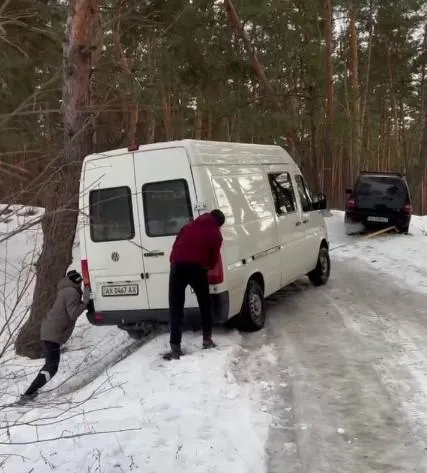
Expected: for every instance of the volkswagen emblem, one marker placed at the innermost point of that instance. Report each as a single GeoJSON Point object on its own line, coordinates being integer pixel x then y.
{"type": "Point", "coordinates": [115, 256]}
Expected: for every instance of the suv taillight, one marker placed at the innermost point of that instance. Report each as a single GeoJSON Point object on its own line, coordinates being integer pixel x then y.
{"type": "Point", "coordinates": [216, 275]}
{"type": "Point", "coordinates": [407, 209]}
{"type": "Point", "coordinates": [351, 203]}
{"type": "Point", "coordinates": [85, 273]}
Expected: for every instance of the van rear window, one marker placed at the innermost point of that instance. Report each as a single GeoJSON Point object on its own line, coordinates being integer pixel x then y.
{"type": "Point", "coordinates": [167, 207]}
{"type": "Point", "coordinates": [111, 216]}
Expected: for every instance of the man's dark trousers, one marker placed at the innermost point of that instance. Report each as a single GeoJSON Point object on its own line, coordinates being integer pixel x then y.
{"type": "Point", "coordinates": [183, 275]}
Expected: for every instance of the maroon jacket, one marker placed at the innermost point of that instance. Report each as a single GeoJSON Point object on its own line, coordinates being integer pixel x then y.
{"type": "Point", "coordinates": [198, 242]}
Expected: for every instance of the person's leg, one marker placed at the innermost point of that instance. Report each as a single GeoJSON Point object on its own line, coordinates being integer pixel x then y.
{"type": "Point", "coordinates": [199, 282]}
{"type": "Point", "coordinates": [52, 354]}
{"type": "Point", "coordinates": [177, 284]}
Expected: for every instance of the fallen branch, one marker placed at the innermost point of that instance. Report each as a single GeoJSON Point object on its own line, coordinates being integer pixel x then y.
{"type": "Point", "coordinates": [72, 436]}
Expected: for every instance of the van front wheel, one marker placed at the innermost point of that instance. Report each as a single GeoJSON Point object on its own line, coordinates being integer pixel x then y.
{"type": "Point", "coordinates": [320, 274]}
{"type": "Point", "coordinates": [252, 315]}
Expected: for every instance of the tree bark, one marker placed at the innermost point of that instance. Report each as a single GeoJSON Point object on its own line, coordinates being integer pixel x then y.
{"type": "Point", "coordinates": [61, 211]}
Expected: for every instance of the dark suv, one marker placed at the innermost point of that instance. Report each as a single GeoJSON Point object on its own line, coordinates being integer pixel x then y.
{"type": "Point", "coordinates": [379, 199]}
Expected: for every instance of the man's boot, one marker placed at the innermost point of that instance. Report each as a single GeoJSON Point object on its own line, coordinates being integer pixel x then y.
{"type": "Point", "coordinates": [174, 354]}
{"type": "Point", "coordinates": [208, 342]}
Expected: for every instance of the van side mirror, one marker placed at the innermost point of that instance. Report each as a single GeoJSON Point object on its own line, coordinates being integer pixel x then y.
{"type": "Point", "coordinates": [349, 191]}
{"type": "Point", "coordinates": [320, 202]}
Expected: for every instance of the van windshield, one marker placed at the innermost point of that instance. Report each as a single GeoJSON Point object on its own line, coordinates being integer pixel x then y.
{"type": "Point", "coordinates": [167, 207]}
{"type": "Point", "coordinates": [381, 191]}
{"type": "Point", "coordinates": [111, 216]}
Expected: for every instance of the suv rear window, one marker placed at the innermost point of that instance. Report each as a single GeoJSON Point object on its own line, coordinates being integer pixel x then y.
{"type": "Point", "coordinates": [389, 191]}
{"type": "Point", "coordinates": [111, 216]}
{"type": "Point", "coordinates": [167, 207]}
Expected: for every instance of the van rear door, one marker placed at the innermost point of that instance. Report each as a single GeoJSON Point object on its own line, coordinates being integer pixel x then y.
{"type": "Point", "coordinates": [166, 197]}
{"type": "Point", "coordinates": [113, 241]}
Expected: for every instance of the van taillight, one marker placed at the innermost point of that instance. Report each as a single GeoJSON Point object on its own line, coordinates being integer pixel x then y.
{"type": "Point", "coordinates": [85, 273]}
{"type": "Point", "coordinates": [216, 275]}
{"type": "Point", "coordinates": [351, 203]}
{"type": "Point", "coordinates": [407, 209]}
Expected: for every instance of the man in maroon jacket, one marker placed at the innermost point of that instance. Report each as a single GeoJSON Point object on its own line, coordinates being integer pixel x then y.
{"type": "Point", "coordinates": [195, 251]}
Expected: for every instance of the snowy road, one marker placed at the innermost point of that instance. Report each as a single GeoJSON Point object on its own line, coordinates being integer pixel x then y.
{"type": "Point", "coordinates": [350, 375]}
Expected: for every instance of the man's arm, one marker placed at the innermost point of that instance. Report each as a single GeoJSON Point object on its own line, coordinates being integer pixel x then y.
{"type": "Point", "coordinates": [214, 251]}
{"type": "Point", "coordinates": [73, 304]}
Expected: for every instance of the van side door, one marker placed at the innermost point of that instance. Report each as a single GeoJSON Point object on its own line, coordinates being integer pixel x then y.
{"type": "Point", "coordinates": [288, 224]}
{"type": "Point", "coordinates": [311, 223]}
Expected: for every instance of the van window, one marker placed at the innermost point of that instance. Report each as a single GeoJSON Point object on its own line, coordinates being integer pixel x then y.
{"type": "Point", "coordinates": [304, 194]}
{"type": "Point", "coordinates": [167, 207]}
{"type": "Point", "coordinates": [283, 193]}
{"type": "Point", "coordinates": [111, 215]}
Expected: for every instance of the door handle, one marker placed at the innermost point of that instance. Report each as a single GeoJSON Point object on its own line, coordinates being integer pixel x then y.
{"type": "Point", "coordinates": [305, 221]}
{"type": "Point", "coordinates": [154, 254]}
{"type": "Point", "coordinates": [298, 223]}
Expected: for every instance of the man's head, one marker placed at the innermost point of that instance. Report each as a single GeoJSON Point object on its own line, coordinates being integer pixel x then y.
{"type": "Point", "coordinates": [74, 276]}
{"type": "Point", "coordinates": [219, 217]}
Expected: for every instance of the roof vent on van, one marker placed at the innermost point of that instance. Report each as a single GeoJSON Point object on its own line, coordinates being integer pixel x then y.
{"type": "Point", "coordinates": [133, 147]}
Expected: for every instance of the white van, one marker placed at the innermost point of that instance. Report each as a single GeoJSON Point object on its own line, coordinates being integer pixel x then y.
{"type": "Point", "coordinates": [133, 202]}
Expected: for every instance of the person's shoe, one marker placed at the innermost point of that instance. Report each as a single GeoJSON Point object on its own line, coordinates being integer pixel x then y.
{"type": "Point", "coordinates": [26, 398]}
{"type": "Point", "coordinates": [175, 353]}
{"type": "Point", "coordinates": [208, 343]}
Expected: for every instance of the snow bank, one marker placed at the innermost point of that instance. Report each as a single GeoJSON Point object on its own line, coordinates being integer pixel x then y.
{"type": "Point", "coordinates": [188, 416]}
{"type": "Point", "coordinates": [402, 257]}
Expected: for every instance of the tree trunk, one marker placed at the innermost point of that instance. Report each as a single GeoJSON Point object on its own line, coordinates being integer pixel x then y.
{"type": "Point", "coordinates": [59, 222]}
{"type": "Point", "coordinates": [327, 151]}
{"type": "Point", "coordinates": [130, 99]}
{"type": "Point", "coordinates": [274, 102]}
{"type": "Point", "coordinates": [364, 157]}
{"type": "Point", "coordinates": [355, 92]}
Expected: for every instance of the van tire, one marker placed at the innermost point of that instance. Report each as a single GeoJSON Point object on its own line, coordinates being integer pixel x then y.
{"type": "Point", "coordinates": [252, 314]}
{"type": "Point", "coordinates": [136, 334]}
{"type": "Point", "coordinates": [320, 274]}
{"type": "Point", "coordinates": [139, 332]}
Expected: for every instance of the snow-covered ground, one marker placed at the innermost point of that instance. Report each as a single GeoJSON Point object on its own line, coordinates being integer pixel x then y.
{"type": "Point", "coordinates": [107, 412]}
{"type": "Point", "coordinates": [402, 257]}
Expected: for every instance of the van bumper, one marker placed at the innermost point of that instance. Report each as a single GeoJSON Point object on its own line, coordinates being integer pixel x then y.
{"type": "Point", "coordinates": [131, 318]}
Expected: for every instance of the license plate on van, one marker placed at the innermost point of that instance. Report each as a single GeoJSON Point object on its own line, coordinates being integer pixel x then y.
{"type": "Point", "coordinates": [378, 219]}
{"type": "Point", "coordinates": [118, 290]}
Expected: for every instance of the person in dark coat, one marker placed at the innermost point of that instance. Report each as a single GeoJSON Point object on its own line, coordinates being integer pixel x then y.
{"type": "Point", "coordinates": [195, 251]}
{"type": "Point", "coordinates": [57, 327]}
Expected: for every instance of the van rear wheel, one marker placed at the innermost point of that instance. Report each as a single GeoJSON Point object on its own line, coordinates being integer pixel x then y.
{"type": "Point", "coordinates": [252, 314]}
{"type": "Point", "coordinates": [136, 334]}
{"type": "Point", "coordinates": [139, 331]}
{"type": "Point", "coordinates": [320, 274]}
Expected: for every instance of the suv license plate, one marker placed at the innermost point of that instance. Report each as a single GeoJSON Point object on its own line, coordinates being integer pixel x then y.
{"type": "Point", "coordinates": [377, 219]}
{"type": "Point", "coordinates": [118, 290]}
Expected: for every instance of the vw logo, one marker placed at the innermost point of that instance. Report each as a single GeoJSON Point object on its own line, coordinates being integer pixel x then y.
{"type": "Point", "coordinates": [115, 256]}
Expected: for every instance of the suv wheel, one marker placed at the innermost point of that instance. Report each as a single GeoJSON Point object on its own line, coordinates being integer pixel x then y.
{"type": "Point", "coordinates": [320, 274]}
{"type": "Point", "coordinates": [403, 229]}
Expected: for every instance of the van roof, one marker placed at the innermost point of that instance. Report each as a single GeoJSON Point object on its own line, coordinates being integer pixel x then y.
{"type": "Point", "coordinates": [215, 152]}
